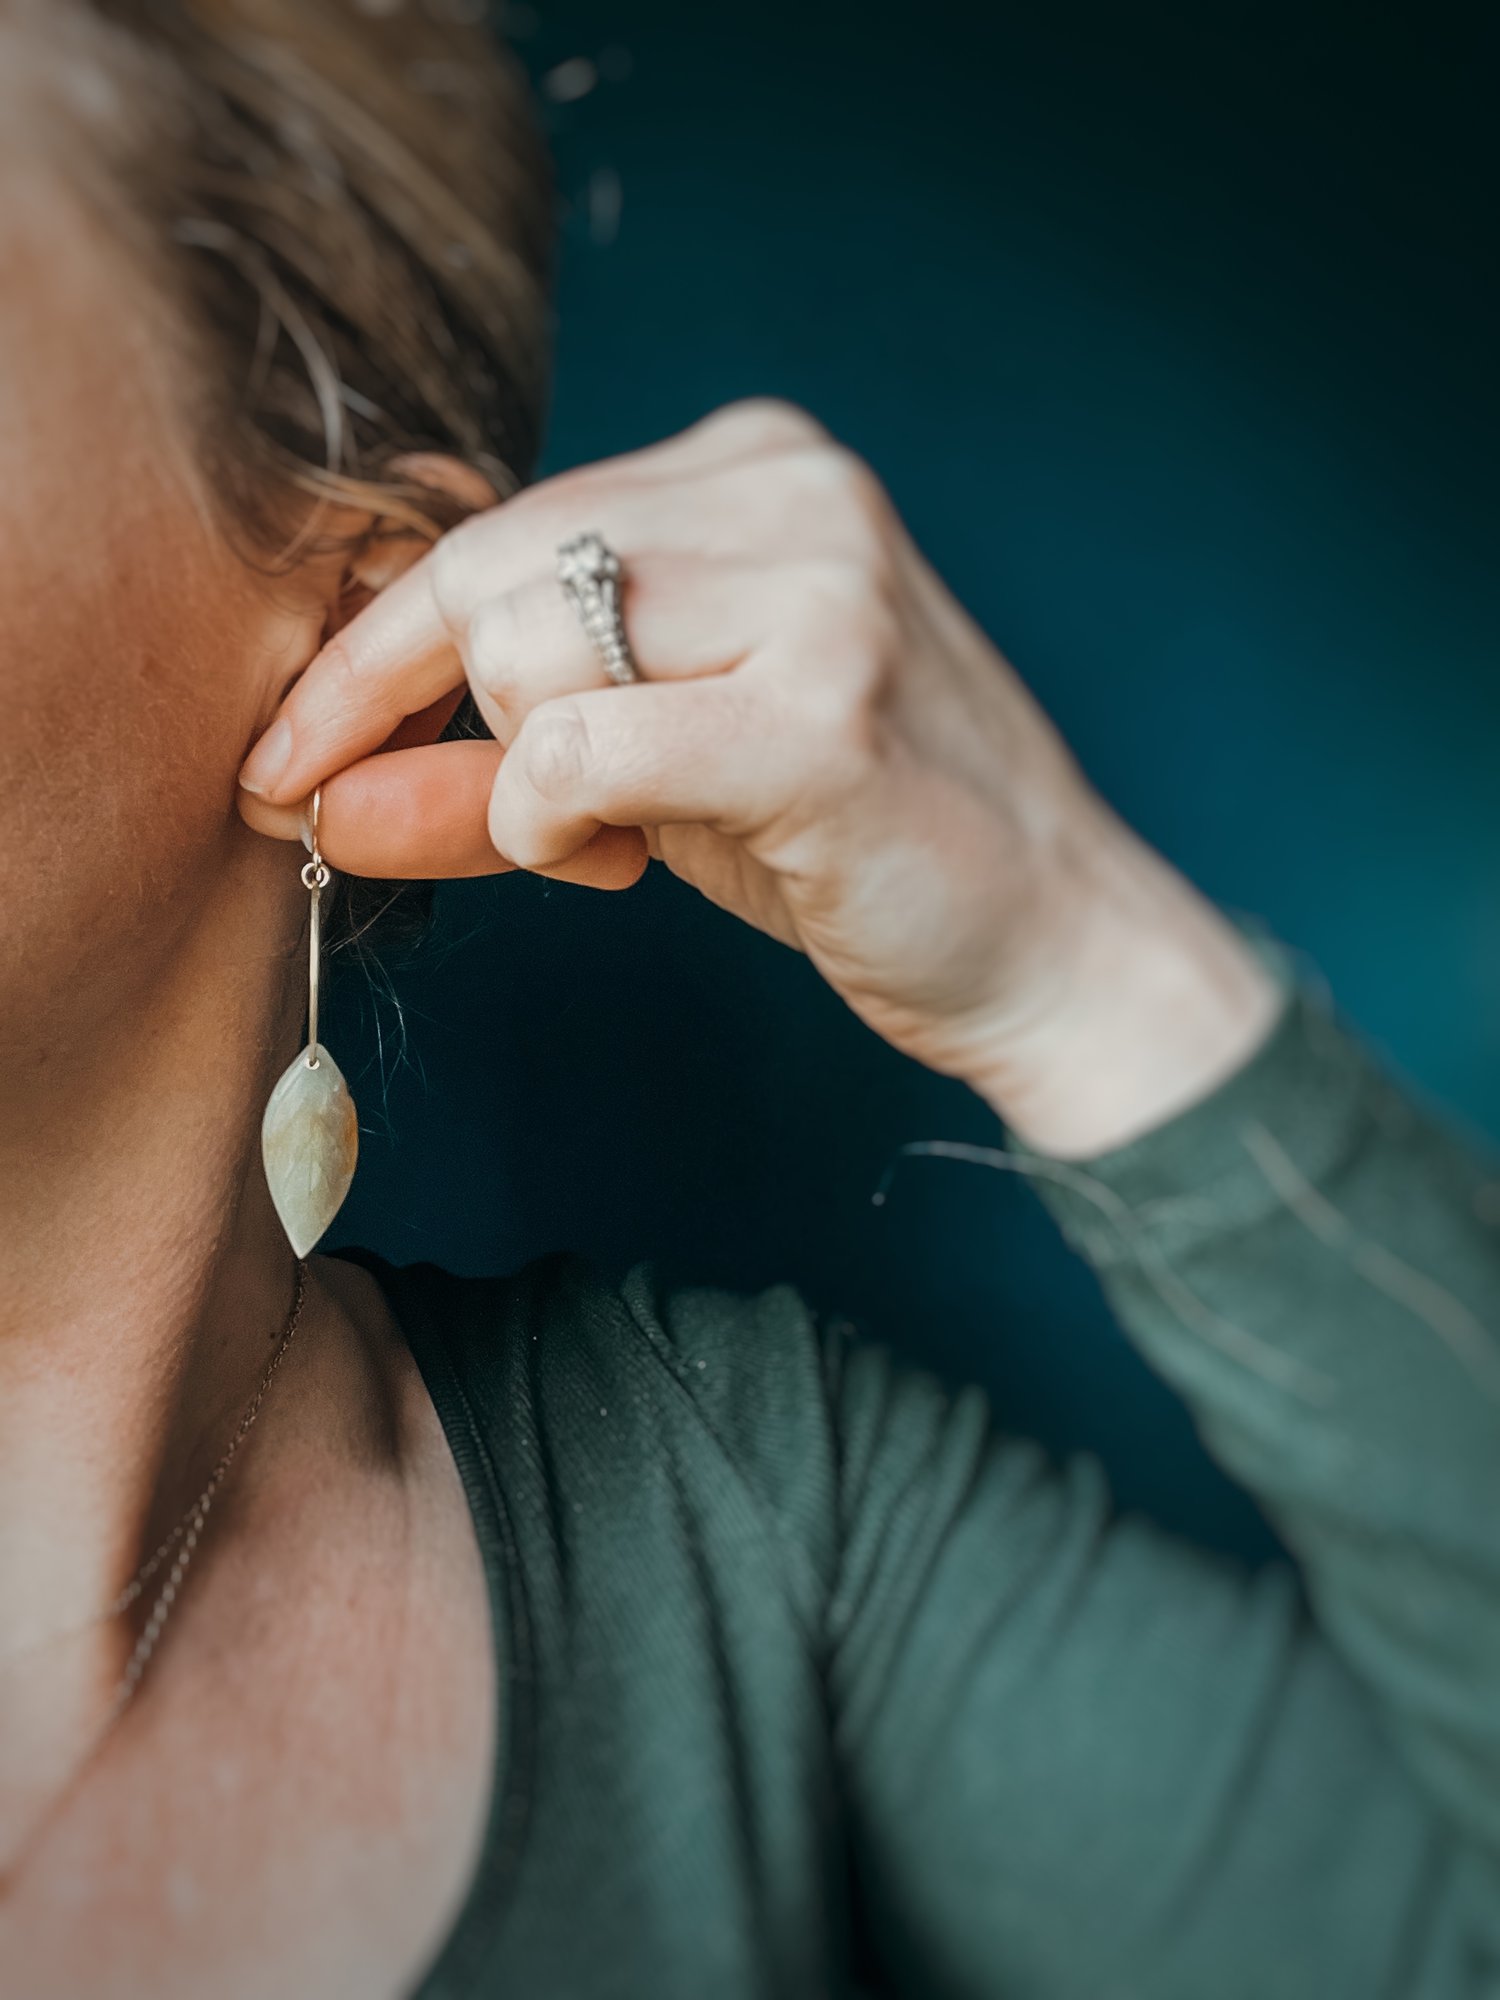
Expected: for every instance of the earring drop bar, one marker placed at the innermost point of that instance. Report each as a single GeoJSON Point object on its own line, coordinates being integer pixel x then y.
{"type": "Point", "coordinates": [310, 1133]}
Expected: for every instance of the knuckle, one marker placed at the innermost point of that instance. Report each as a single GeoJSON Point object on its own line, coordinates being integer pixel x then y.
{"type": "Point", "coordinates": [836, 749]}
{"type": "Point", "coordinates": [848, 647]}
{"type": "Point", "coordinates": [557, 750]}
{"type": "Point", "coordinates": [844, 703]}
{"type": "Point", "coordinates": [846, 509]}
{"type": "Point", "coordinates": [565, 503]}
{"type": "Point", "coordinates": [769, 423]}
{"type": "Point", "coordinates": [454, 559]}
{"type": "Point", "coordinates": [492, 650]}
{"type": "Point", "coordinates": [338, 664]}
{"type": "Point", "coordinates": [835, 712]}
{"type": "Point", "coordinates": [550, 500]}
{"type": "Point", "coordinates": [582, 500]}
{"type": "Point", "coordinates": [852, 485]}
{"type": "Point", "coordinates": [848, 609]}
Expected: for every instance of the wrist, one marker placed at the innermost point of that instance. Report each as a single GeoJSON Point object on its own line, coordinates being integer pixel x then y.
{"type": "Point", "coordinates": [1145, 1000]}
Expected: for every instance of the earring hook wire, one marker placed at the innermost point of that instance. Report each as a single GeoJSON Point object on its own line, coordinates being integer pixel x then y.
{"type": "Point", "coordinates": [316, 876]}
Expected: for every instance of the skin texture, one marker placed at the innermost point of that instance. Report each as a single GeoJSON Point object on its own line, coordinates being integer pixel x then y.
{"type": "Point", "coordinates": [825, 745]}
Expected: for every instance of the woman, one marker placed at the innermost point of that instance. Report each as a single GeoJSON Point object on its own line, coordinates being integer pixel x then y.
{"type": "Point", "coordinates": [547, 1638]}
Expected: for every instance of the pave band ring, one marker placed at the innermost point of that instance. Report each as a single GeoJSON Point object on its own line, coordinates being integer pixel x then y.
{"type": "Point", "coordinates": [589, 571]}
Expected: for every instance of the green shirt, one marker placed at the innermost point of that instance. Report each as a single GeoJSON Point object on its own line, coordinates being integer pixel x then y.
{"type": "Point", "coordinates": [815, 1682]}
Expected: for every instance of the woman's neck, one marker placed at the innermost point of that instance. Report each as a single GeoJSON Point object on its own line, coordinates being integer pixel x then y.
{"type": "Point", "coordinates": [143, 1276]}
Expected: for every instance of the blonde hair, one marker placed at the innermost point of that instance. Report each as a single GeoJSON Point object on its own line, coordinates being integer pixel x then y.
{"type": "Point", "coordinates": [352, 203]}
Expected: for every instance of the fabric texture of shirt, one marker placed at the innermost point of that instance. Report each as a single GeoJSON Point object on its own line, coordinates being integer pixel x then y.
{"type": "Point", "coordinates": [816, 1682]}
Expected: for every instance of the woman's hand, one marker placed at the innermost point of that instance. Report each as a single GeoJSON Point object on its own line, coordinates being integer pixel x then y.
{"type": "Point", "coordinates": [823, 743]}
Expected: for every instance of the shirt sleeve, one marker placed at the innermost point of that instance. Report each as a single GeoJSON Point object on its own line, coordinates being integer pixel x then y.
{"type": "Point", "coordinates": [1086, 1762]}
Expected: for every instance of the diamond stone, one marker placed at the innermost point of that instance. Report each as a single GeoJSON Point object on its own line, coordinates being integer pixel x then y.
{"type": "Point", "coordinates": [587, 560]}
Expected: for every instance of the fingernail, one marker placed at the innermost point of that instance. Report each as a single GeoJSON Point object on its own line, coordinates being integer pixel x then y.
{"type": "Point", "coordinates": [268, 760]}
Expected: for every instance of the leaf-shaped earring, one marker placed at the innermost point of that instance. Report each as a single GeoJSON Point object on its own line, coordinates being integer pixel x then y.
{"type": "Point", "coordinates": [309, 1137]}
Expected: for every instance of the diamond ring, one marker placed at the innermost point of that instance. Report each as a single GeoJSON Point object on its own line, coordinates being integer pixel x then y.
{"type": "Point", "coordinates": [589, 571]}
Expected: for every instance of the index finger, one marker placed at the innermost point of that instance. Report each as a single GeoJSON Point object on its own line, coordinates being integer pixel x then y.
{"type": "Point", "coordinates": [394, 657]}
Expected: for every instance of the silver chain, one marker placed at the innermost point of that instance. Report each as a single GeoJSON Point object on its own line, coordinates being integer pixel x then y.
{"type": "Point", "coordinates": [185, 1536]}
{"type": "Point", "coordinates": [183, 1539]}
{"type": "Point", "coordinates": [180, 1545]}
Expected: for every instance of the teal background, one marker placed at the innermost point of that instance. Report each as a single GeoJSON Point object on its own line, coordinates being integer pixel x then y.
{"type": "Point", "coordinates": [1171, 331]}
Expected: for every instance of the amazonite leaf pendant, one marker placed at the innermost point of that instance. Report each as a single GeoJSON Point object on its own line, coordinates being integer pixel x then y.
{"type": "Point", "coordinates": [309, 1140]}
{"type": "Point", "coordinates": [309, 1137]}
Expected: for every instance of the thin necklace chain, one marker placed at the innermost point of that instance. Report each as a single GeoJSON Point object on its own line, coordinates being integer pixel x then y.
{"type": "Point", "coordinates": [183, 1539]}
{"type": "Point", "coordinates": [185, 1536]}
{"type": "Point", "coordinates": [180, 1547]}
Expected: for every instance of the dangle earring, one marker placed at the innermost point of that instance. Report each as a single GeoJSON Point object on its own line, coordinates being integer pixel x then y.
{"type": "Point", "coordinates": [309, 1138]}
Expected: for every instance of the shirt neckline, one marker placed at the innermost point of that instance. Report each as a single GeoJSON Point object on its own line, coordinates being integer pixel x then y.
{"type": "Point", "coordinates": [456, 1966]}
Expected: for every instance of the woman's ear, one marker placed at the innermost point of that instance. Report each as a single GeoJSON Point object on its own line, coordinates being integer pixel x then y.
{"type": "Point", "coordinates": [388, 548]}
{"type": "Point", "coordinates": [383, 547]}
{"type": "Point", "coordinates": [356, 551]}
{"type": "Point", "coordinates": [461, 484]}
